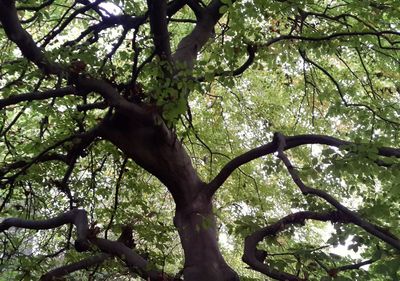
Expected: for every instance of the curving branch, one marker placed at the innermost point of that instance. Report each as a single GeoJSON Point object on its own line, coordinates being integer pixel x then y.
{"type": "Point", "coordinates": [255, 258]}
{"type": "Point", "coordinates": [16, 33]}
{"type": "Point", "coordinates": [251, 50]}
{"type": "Point", "coordinates": [134, 261]}
{"type": "Point", "coordinates": [123, 249]}
{"type": "Point", "coordinates": [125, 237]}
{"type": "Point", "coordinates": [189, 46]}
{"type": "Point", "coordinates": [29, 49]}
{"type": "Point", "coordinates": [126, 21]}
{"type": "Point", "coordinates": [80, 142]}
{"type": "Point", "coordinates": [22, 163]}
{"type": "Point", "coordinates": [197, 9]}
{"type": "Point", "coordinates": [377, 231]}
{"type": "Point", "coordinates": [78, 217]}
{"type": "Point", "coordinates": [60, 28]}
{"type": "Point", "coordinates": [290, 142]}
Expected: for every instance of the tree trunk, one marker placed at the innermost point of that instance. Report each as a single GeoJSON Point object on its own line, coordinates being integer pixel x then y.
{"type": "Point", "coordinates": [197, 230]}
{"type": "Point", "coordinates": [155, 148]}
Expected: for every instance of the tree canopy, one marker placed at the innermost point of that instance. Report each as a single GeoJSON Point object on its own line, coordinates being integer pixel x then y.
{"type": "Point", "coordinates": [199, 140]}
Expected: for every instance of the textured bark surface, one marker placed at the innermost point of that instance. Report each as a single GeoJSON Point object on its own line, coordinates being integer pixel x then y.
{"type": "Point", "coordinates": [197, 230]}
{"type": "Point", "coordinates": [156, 149]}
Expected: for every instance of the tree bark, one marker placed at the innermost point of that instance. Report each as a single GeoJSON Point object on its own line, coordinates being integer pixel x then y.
{"type": "Point", "coordinates": [156, 149]}
{"type": "Point", "coordinates": [197, 230]}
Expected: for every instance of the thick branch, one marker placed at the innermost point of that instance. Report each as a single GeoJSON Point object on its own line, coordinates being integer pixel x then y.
{"type": "Point", "coordinates": [15, 32]}
{"type": "Point", "coordinates": [197, 9]}
{"type": "Point", "coordinates": [159, 28]}
{"type": "Point", "coordinates": [15, 99]}
{"type": "Point", "coordinates": [188, 47]}
{"type": "Point", "coordinates": [291, 142]}
{"type": "Point", "coordinates": [77, 217]}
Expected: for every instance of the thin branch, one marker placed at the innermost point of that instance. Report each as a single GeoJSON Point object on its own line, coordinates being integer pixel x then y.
{"type": "Point", "coordinates": [116, 196]}
{"type": "Point", "coordinates": [340, 91]}
{"type": "Point", "coordinates": [67, 21]}
{"type": "Point", "coordinates": [329, 37]}
{"type": "Point", "coordinates": [355, 266]}
{"type": "Point", "coordinates": [83, 140]}
{"type": "Point", "coordinates": [126, 21]}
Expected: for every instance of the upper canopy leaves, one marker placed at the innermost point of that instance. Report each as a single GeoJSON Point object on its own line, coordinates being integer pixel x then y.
{"type": "Point", "coordinates": [220, 77]}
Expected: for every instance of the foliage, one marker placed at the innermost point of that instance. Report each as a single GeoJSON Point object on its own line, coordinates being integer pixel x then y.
{"type": "Point", "coordinates": [326, 68]}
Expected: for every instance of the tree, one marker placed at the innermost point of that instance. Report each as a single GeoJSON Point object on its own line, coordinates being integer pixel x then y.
{"type": "Point", "coordinates": [265, 122]}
